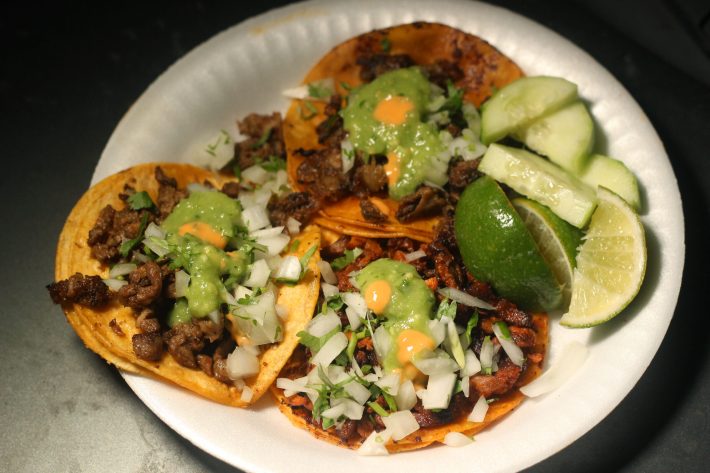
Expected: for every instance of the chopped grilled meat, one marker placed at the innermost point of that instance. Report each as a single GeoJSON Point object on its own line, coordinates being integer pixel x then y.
{"type": "Point", "coordinates": [168, 193]}
{"type": "Point", "coordinates": [347, 431]}
{"type": "Point", "coordinates": [371, 251]}
{"type": "Point", "coordinates": [255, 125]}
{"type": "Point", "coordinates": [265, 138]}
{"type": "Point", "coordinates": [184, 341]}
{"type": "Point", "coordinates": [375, 65]}
{"type": "Point", "coordinates": [148, 346]}
{"type": "Point", "coordinates": [365, 352]}
{"type": "Point", "coordinates": [210, 330]}
{"type": "Point", "coordinates": [89, 291]}
{"type": "Point", "coordinates": [443, 72]}
{"type": "Point", "coordinates": [110, 230]}
{"type": "Point", "coordinates": [322, 171]}
{"type": "Point", "coordinates": [425, 202]}
{"type": "Point", "coordinates": [330, 131]}
{"type": "Point", "coordinates": [144, 287]}
{"type": "Point", "coordinates": [116, 328]}
{"type": "Point", "coordinates": [371, 212]}
{"type": "Point", "coordinates": [219, 369]}
{"type": "Point", "coordinates": [445, 234]}
{"type": "Point", "coordinates": [299, 205]}
{"type": "Point", "coordinates": [511, 315]}
{"type": "Point", "coordinates": [462, 173]}
{"type": "Point", "coordinates": [364, 428]}
{"type": "Point", "coordinates": [449, 272]}
{"type": "Point", "coordinates": [205, 364]}
{"type": "Point", "coordinates": [231, 189]}
{"type": "Point", "coordinates": [335, 249]}
{"type": "Point", "coordinates": [459, 406]}
{"type": "Point", "coordinates": [149, 325]}
{"type": "Point", "coordinates": [369, 179]}
{"type": "Point", "coordinates": [499, 382]}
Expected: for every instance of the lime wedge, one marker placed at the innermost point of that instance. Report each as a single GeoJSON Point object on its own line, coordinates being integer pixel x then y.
{"type": "Point", "coordinates": [610, 265]}
{"type": "Point", "coordinates": [557, 240]}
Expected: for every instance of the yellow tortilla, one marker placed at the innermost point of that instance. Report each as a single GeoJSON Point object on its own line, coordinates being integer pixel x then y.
{"type": "Point", "coordinates": [484, 68]}
{"type": "Point", "coordinates": [92, 325]}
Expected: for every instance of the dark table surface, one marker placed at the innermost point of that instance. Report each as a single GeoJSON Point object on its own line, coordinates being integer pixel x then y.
{"type": "Point", "coordinates": [70, 70]}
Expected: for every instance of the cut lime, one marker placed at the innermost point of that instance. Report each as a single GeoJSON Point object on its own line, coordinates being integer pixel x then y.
{"type": "Point", "coordinates": [610, 265]}
{"type": "Point", "coordinates": [497, 248]}
{"type": "Point", "coordinates": [557, 240]}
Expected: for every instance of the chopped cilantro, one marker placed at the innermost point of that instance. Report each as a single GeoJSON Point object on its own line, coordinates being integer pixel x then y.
{"type": "Point", "coordinates": [446, 308]}
{"type": "Point", "coordinates": [128, 245]}
{"type": "Point", "coordinates": [140, 200]}
{"type": "Point", "coordinates": [385, 44]}
{"type": "Point", "coordinates": [347, 87]}
{"type": "Point", "coordinates": [454, 98]}
{"type": "Point", "coordinates": [378, 409]}
{"type": "Point", "coordinates": [335, 302]}
{"type": "Point", "coordinates": [472, 322]}
{"type": "Point", "coordinates": [318, 90]}
{"type": "Point", "coordinates": [313, 111]}
{"type": "Point", "coordinates": [315, 343]}
{"type": "Point", "coordinates": [262, 139]}
{"type": "Point", "coordinates": [503, 329]}
{"type": "Point", "coordinates": [273, 163]}
{"type": "Point", "coordinates": [391, 403]}
{"type": "Point", "coordinates": [346, 259]}
{"type": "Point", "coordinates": [306, 258]}
{"type": "Point", "coordinates": [295, 245]}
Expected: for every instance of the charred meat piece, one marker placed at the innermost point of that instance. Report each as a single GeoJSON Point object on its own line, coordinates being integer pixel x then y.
{"type": "Point", "coordinates": [112, 227]}
{"type": "Point", "coordinates": [265, 138]}
{"type": "Point", "coordinates": [184, 341]}
{"type": "Point", "coordinates": [375, 65]}
{"type": "Point", "coordinates": [231, 189]}
{"type": "Point", "coordinates": [168, 193]}
{"type": "Point", "coordinates": [322, 171]}
{"type": "Point", "coordinates": [148, 346]}
{"type": "Point", "coordinates": [88, 291]}
{"type": "Point", "coordinates": [144, 287]}
{"type": "Point", "coordinates": [459, 406]}
{"type": "Point", "coordinates": [369, 179]}
{"type": "Point", "coordinates": [499, 382]}
{"type": "Point", "coordinates": [511, 315]}
{"type": "Point", "coordinates": [462, 173]}
{"type": "Point", "coordinates": [449, 272]}
{"type": "Point", "coordinates": [443, 72]}
{"type": "Point", "coordinates": [330, 131]}
{"type": "Point", "coordinates": [299, 205]}
{"type": "Point", "coordinates": [371, 212]}
{"type": "Point", "coordinates": [425, 202]}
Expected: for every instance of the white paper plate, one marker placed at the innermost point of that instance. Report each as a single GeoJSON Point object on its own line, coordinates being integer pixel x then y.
{"type": "Point", "coordinates": [245, 68]}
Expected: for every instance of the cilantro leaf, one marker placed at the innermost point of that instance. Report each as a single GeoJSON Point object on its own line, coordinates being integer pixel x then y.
{"type": "Point", "coordinates": [306, 258]}
{"type": "Point", "coordinates": [346, 259]}
{"type": "Point", "coordinates": [315, 343]}
{"type": "Point", "coordinates": [446, 308]}
{"type": "Point", "coordinates": [262, 139]}
{"type": "Point", "coordinates": [128, 245]}
{"type": "Point", "coordinates": [454, 98]}
{"type": "Point", "coordinates": [273, 163]}
{"type": "Point", "coordinates": [472, 322]}
{"type": "Point", "coordinates": [385, 44]}
{"type": "Point", "coordinates": [140, 200]}
{"type": "Point", "coordinates": [318, 90]}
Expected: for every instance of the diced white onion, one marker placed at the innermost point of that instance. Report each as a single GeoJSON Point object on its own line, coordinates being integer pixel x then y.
{"type": "Point", "coordinates": [356, 301]}
{"type": "Point", "coordinates": [289, 270]}
{"type": "Point", "coordinates": [438, 391]}
{"type": "Point", "coordinates": [157, 246]}
{"type": "Point", "coordinates": [253, 349]}
{"type": "Point", "coordinates": [267, 232]}
{"type": "Point", "coordinates": [353, 318]}
{"type": "Point", "coordinates": [334, 412]}
{"type": "Point", "coordinates": [487, 352]}
{"type": "Point", "coordinates": [298, 93]}
{"type": "Point", "coordinates": [281, 311]}
{"type": "Point", "coordinates": [115, 284]}
{"type": "Point", "coordinates": [323, 323]}
{"type": "Point", "coordinates": [401, 424]}
{"type": "Point", "coordinates": [570, 360]}
{"type": "Point", "coordinates": [406, 398]}
{"type": "Point", "coordinates": [140, 257]}
{"type": "Point", "coordinates": [357, 391]}
{"type": "Point", "coordinates": [434, 363]}
{"type": "Point", "coordinates": [241, 292]}
{"type": "Point", "coordinates": [375, 443]}
{"type": "Point", "coordinates": [121, 270]}
{"type": "Point", "coordinates": [414, 255]}
{"type": "Point", "coordinates": [329, 290]}
{"type": "Point", "coordinates": [326, 272]}
{"type": "Point", "coordinates": [382, 341]}
{"type": "Point", "coordinates": [293, 226]}
{"type": "Point", "coordinates": [514, 352]}
{"type": "Point", "coordinates": [454, 344]}
{"type": "Point", "coordinates": [255, 217]}
{"type": "Point", "coordinates": [331, 349]}
{"type": "Point", "coordinates": [464, 298]}
{"type": "Point", "coordinates": [247, 394]}
{"type": "Point", "coordinates": [351, 409]}
{"type": "Point", "coordinates": [437, 330]}
{"type": "Point", "coordinates": [347, 155]}
{"type": "Point", "coordinates": [215, 316]}
{"type": "Point", "coordinates": [258, 275]}
{"type": "Point", "coordinates": [478, 414]}
{"type": "Point", "coordinates": [472, 366]}
{"type": "Point", "coordinates": [241, 363]}
{"type": "Point", "coordinates": [291, 386]}
{"type": "Point", "coordinates": [256, 174]}
{"type": "Point", "coordinates": [456, 439]}
{"type": "Point", "coordinates": [389, 383]}
{"type": "Point", "coordinates": [152, 230]}
{"type": "Point", "coordinates": [465, 385]}
{"type": "Point", "coordinates": [182, 281]}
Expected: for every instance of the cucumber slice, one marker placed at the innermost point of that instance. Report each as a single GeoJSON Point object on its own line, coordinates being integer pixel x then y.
{"type": "Point", "coordinates": [614, 175]}
{"type": "Point", "coordinates": [541, 181]}
{"type": "Point", "coordinates": [520, 102]}
{"type": "Point", "coordinates": [565, 136]}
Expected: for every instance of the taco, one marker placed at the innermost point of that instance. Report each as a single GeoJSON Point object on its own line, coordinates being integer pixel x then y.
{"type": "Point", "coordinates": [384, 133]}
{"type": "Point", "coordinates": [162, 272]}
{"type": "Point", "coordinates": [407, 347]}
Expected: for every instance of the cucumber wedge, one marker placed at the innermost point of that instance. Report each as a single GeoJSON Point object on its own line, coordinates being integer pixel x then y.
{"type": "Point", "coordinates": [565, 136]}
{"type": "Point", "coordinates": [542, 181]}
{"type": "Point", "coordinates": [614, 175]}
{"type": "Point", "coordinates": [520, 102]}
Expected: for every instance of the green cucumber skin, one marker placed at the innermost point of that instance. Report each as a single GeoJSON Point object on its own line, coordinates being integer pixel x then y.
{"type": "Point", "coordinates": [522, 102]}
{"type": "Point", "coordinates": [542, 181]}
{"type": "Point", "coordinates": [566, 136]}
{"type": "Point", "coordinates": [614, 175]}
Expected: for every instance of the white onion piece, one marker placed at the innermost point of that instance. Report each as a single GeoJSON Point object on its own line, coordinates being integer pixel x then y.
{"type": "Point", "coordinates": [487, 352]}
{"type": "Point", "coordinates": [353, 318]}
{"type": "Point", "coordinates": [464, 298]}
{"type": "Point", "coordinates": [414, 255]}
{"type": "Point", "coordinates": [401, 423]}
{"type": "Point", "coordinates": [259, 274]}
{"type": "Point", "coordinates": [347, 155]}
{"type": "Point", "coordinates": [570, 360]}
{"type": "Point", "coordinates": [326, 272]}
{"type": "Point", "coordinates": [357, 391]}
{"type": "Point", "coordinates": [356, 301]}
{"type": "Point", "coordinates": [256, 174]}
{"type": "Point", "coordinates": [293, 386]}
{"type": "Point", "coordinates": [241, 292]}
{"type": "Point", "coordinates": [438, 391]}
{"type": "Point", "coordinates": [514, 352]}
{"type": "Point", "coordinates": [289, 270]}
{"type": "Point", "coordinates": [214, 316]}
{"type": "Point", "coordinates": [432, 363]}
{"type": "Point", "coordinates": [197, 187]}
{"type": "Point", "coordinates": [293, 226]}
{"type": "Point", "coordinates": [239, 383]}
{"type": "Point", "coordinates": [472, 366]}
{"type": "Point", "coordinates": [478, 414]}
{"type": "Point", "coordinates": [465, 385]}
{"type": "Point", "coordinates": [140, 257]}
{"type": "Point", "coordinates": [329, 290]}
{"type": "Point", "coordinates": [115, 284]}
{"type": "Point", "coordinates": [406, 398]}
{"type": "Point", "coordinates": [255, 217]}
{"type": "Point", "coordinates": [438, 331]}
{"type": "Point", "coordinates": [382, 342]}
{"type": "Point", "coordinates": [331, 349]}
{"type": "Point", "coordinates": [456, 439]}
{"type": "Point", "coordinates": [351, 409]}
{"type": "Point", "coordinates": [182, 281]}
{"type": "Point", "coordinates": [152, 230]}
{"type": "Point", "coordinates": [253, 349]}
{"type": "Point", "coordinates": [247, 394]}
{"type": "Point", "coordinates": [281, 311]}
{"type": "Point", "coordinates": [298, 93]}
{"type": "Point", "coordinates": [323, 323]}
{"type": "Point", "coordinates": [334, 412]}
{"type": "Point", "coordinates": [274, 244]}
{"type": "Point", "coordinates": [121, 270]}
{"type": "Point", "coordinates": [267, 232]}
{"type": "Point", "coordinates": [157, 246]}
{"type": "Point", "coordinates": [389, 383]}
{"type": "Point", "coordinates": [375, 443]}
{"type": "Point", "coordinates": [336, 373]}
{"type": "Point", "coordinates": [241, 363]}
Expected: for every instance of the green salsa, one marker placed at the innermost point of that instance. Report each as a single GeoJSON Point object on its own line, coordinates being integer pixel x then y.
{"type": "Point", "coordinates": [413, 142]}
{"type": "Point", "coordinates": [410, 305]}
{"type": "Point", "coordinates": [207, 264]}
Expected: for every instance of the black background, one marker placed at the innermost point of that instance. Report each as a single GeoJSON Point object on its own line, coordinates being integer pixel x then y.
{"type": "Point", "coordinates": [70, 70]}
